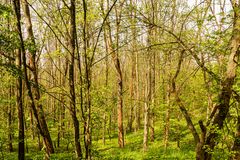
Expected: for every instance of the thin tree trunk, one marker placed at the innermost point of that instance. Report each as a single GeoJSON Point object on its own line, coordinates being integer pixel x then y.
{"type": "Point", "coordinates": [133, 74]}
{"type": "Point", "coordinates": [107, 48]}
{"type": "Point", "coordinates": [134, 79]}
{"type": "Point", "coordinates": [21, 149]}
{"type": "Point", "coordinates": [152, 39]}
{"type": "Point", "coordinates": [87, 121]}
{"type": "Point", "coordinates": [104, 129]}
{"type": "Point", "coordinates": [73, 37]}
{"type": "Point", "coordinates": [198, 140]}
{"type": "Point", "coordinates": [167, 98]}
{"type": "Point", "coordinates": [63, 101]}
{"type": "Point", "coordinates": [151, 123]}
{"type": "Point", "coordinates": [137, 107]}
{"type": "Point", "coordinates": [10, 119]}
{"type": "Point", "coordinates": [167, 119]}
{"type": "Point", "coordinates": [132, 91]}
{"type": "Point", "coordinates": [116, 60]}
{"type": "Point", "coordinates": [146, 114]}
{"type": "Point", "coordinates": [120, 87]}
{"type": "Point", "coordinates": [32, 124]}
{"type": "Point", "coordinates": [36, 93]}
{"type": "Point", "coordinates": [38, 112]}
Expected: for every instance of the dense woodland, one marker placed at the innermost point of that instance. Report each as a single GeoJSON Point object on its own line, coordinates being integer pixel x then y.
{"type": "Point", "coordinates": [119, 79]}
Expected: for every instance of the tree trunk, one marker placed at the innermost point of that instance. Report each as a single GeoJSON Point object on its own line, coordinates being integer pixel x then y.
{"type": "Point", "coordinates": [146, 116]}
{"type": "Point", "coordinates": [73, 37]}
{"type": "Point", "coordinates": [180, 104]}
{"type": "Point", "coordinates": [87, 108]}
{"type": "Point", "coordinates": [107, 49]}
{"type": "Point", "coordinates": [137, 107]}
{"type": "Point", "coordinates": [104, 129]}
{"type": "Point", "coordinates": [10, 121]}
{"type": "Point", "coordinates": [32, 124]}
{"type": "Point", "coordinates": [151, 123]}
{"type": "Point", "coordinates": [146, 126]}
{"type": "Point", "coordinates": [168, 96]}
{"type": "Point", "coordinates": [41, 123]}
{"type": "Point", "coordinates": [117, 64]}
{"type": "Point", "coordinates": [63, 101]}
{"type": "Point", "coordinates": [167, 120]}
{"type": "Point", "coordinates": [120, 108]}
{"type": "Point", "coordinates": [120, 96]}
{"type": "Point", "coordinates": [38, 109]}
{"type": "Point", "coordinates": [226, 91]}
{"type": "Point", "coordinates": [132, 85]}
{"type": "Point", "coordinates": [21, 149]}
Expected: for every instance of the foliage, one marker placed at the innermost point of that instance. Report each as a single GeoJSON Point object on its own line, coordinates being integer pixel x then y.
{"type": "Point", "coordinates": [152, 38]}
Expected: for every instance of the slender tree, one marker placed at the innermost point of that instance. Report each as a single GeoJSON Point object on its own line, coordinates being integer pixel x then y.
{"type": "Point", "coordinates": [117, 64]}
{"type": "Point", "coordinates": [38, 112]}
{"type": "Point", "coordinates": [73, 37]}
{"type": "Point", "coordinates": [21, 147]}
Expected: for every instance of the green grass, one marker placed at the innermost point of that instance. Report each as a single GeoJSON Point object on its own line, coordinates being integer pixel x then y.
{"type": "Point", "coordinates": [132, 151]}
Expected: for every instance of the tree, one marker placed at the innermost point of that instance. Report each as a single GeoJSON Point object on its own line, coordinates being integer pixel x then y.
{"type": "Point", "coordinates": [39, 114]}
{"type": "Point", "coordinates": [21, 150]}
{"type": "Point", "coordinates": [221, 109]}
{"type": "Point", "coordinates": [21, 134]}
{"type": "Point", "coordinates": [117, 64]}
{"type": "Point", "coordinates": [73, 37]}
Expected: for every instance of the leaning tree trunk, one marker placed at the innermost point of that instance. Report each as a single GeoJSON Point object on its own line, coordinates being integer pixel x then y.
{"type": "Point", "coordinates": [35, 93]}
{"type": "Point", "coordinates": [226, 92]}
{"type": "Point", "coordinates": [41, 123]}
{"type": "Point", "coordinates": [198, 140]}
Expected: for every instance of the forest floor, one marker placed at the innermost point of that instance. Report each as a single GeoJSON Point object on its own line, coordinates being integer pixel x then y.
{"type": "Point", "coordinates": [132, 151]}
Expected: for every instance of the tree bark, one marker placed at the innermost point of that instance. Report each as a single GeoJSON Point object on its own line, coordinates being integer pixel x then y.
{"type": "Point", "coordinates": [167, 119]}
{"type": "Point", "coordinates": [137, 107]}
{"type": "Point", "coordinates": [133, 83]}
{"type": "Point", "coordinates": [148, 95]}
{"type": "Point", "coordinates": [117, 64]}
{"type": "Point", "coordinates": [180, 103]}
{"type": "Point", "coordinates": [34, 93]}
{"type": "Point", "coordinates": [120, 90]}
{"type": "Point", "coordinates": [10, 121]}
{"type": "Point", "coordinates": [226, 91]}
{"type": "Point", "coordinates": [146, 118]}
{"type": "Point", "coordinates": [73, 111]}
{"type": "Point", "coordinates": [151, 123]}
{"type": "Point", "coordinates": [21, 148]}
